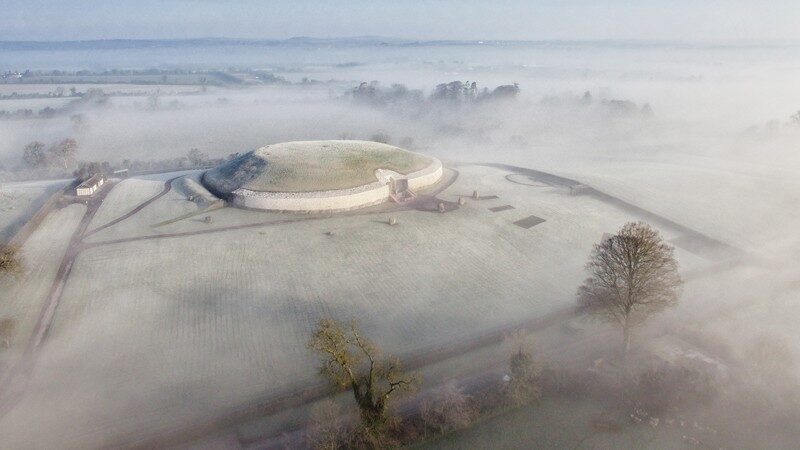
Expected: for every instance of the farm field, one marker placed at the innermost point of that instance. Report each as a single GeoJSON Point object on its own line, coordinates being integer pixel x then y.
{"type": "Point", "coordinates": [122, 95]}
{"type": "Point", "coordinates": [20, 200]}
{"type": "Point", "coordinates": [34, 104]}
{"type": "Point", "coordinates": [125, 196]}
{"type": "Point", "coordinates": [44, 88]}
{"type": "Point", "coordinates": [707, 188]}
{"type": "Point", "coordinates": [40, 255]}
{"type": "Point", "coordinates": [144, 79]}
{"type": "Point", "coordinates": [225, 315]}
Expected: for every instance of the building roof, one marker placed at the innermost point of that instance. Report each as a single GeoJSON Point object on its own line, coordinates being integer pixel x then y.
{"type": "Point", "coordinates": [96, 178]}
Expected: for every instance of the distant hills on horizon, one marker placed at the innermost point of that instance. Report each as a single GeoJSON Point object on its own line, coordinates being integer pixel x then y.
{"type": "Point", "coordinates": [358, 41]}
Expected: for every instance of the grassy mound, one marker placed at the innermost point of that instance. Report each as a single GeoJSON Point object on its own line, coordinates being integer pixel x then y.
{"type": "Point", "coordinates": [306, 166]}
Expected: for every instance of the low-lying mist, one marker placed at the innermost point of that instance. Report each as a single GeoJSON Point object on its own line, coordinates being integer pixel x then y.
{"type": "Point", "coordinates": [707, 143]}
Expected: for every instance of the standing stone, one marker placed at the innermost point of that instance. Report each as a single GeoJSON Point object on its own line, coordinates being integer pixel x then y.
{"type": "Point", "coordinates": [441, 207]}
{"type": "Point", "coordinates": [475, 194]}
{"type": "Point", "coordinates": [392, 220]}
{"type": "Point", "coordinates": [462, 201]}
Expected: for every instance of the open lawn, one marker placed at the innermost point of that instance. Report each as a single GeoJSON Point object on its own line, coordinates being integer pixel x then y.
{"type": "Point", "coordinates": [20, 201]}
{"type": "Point", "coordinates": [158, 332]}
{"type": "Point", "coordinates": [22, 299]}
{"type": "Point", "coordinates": [733, 199]}
{"type": "Point", "coordinates": [124, 197]}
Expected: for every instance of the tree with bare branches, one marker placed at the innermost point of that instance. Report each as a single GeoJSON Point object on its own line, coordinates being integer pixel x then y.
{"type": "Point", "coordinates": [65, 151]}
{"type": "Point", "coordinates": [9, 261]}
{"type": "Point", "coordinates": [7, 327]}
{"type": "Point", "coordinates": [632, 275]}
{"type": "Point", "coordinates": [9, 265]}
{"type": "Point", "coordinates": [34, 155]}
{"type": "Point", "coordinates": [447, 408]}
{"type": "Point", "coordinates": [351, 361]}
{"type": "Point", "coordinates": [525, 374]}
{"type": "Point", "coordinates": [328, 428]}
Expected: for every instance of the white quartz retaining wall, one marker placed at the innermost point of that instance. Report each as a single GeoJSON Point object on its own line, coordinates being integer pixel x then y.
{"type": "Point", "coordinates": [336, 200]}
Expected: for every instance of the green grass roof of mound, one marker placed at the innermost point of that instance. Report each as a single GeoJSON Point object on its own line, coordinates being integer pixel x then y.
{"type": "Point", "coordinates": [306, 166]}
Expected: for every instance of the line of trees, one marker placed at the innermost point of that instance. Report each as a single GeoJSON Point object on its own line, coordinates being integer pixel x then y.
{"type": "Point", "coordinates": [60, 154]}
{"type": "Point", "coordinates": [93, 97]}
{"type": "Point", "coordinates": [450, 94]}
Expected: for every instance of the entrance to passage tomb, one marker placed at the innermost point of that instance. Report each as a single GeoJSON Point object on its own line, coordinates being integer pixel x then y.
{"type": "Point", "coordinates": [399, 190]}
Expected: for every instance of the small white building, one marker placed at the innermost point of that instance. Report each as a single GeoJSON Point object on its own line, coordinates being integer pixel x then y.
{"type": "Point", "coordinates": [91, 185]}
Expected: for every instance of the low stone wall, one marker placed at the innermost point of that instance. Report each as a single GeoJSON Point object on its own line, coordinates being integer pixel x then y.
{"type": "Point", "coordinates": [336, 200]}
{"type": "Point", "coordinates": [425, 177]}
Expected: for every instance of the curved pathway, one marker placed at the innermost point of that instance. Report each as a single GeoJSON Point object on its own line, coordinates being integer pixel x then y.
{"type": "Point", "coordinates": [167, 188]}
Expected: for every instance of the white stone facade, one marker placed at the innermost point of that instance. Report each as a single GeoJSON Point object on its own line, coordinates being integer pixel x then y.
{"type": "Point", "coordinates": [336, 200]}
{"type": "Point", "coordinates": [90, 186]}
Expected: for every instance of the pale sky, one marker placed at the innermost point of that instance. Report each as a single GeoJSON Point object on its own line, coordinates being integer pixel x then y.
{"type": "Point", "coordinates": [684, 20]}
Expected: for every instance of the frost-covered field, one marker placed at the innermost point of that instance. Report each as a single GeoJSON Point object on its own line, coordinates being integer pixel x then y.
{"type": "Point", "coordinates": [35, 104]}
{"type": "Point", "coordinates": [153, 333]}
{"type": "Point", "coordinates": [734, 200]}
{"type": "Point", "coordinates": [37, 88]}
{"type": "Point", "coordinates": [19, 201]}
{"type": "Point", "coordinates": [22, 300]}
{"type": "Point", "coordinates": [124, 197]}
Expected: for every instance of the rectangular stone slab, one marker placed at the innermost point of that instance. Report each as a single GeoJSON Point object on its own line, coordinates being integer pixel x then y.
{"type": "Point", "coordinates": [529, 222]}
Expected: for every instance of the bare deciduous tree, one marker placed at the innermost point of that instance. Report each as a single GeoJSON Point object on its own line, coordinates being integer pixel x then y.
{"type": "Point", "coordinates": [525, 382]}
{"type": "Point", "coordinates": [795, 118]}
{"type": "Point", "coordinates": [9, 261]}
{"type": "Point", "coordinates": [381, 137]}
{"type": "Point", "coordinates": [633, 275]}
{"type": "Point", "coordinates": [34, 154]}
{"type": "Point", "coordinates": [65, 151]}
{"type": "Point", "coordinates": [197, 158]}
{"type": "Point", "coordinates": [447, 408]}
{"type": "Point", "coordinates": [350, 360]}
{"type": "Point", "coordinates": [328, 429]}
{"type": "Point", "coordinates": [7, 327]}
